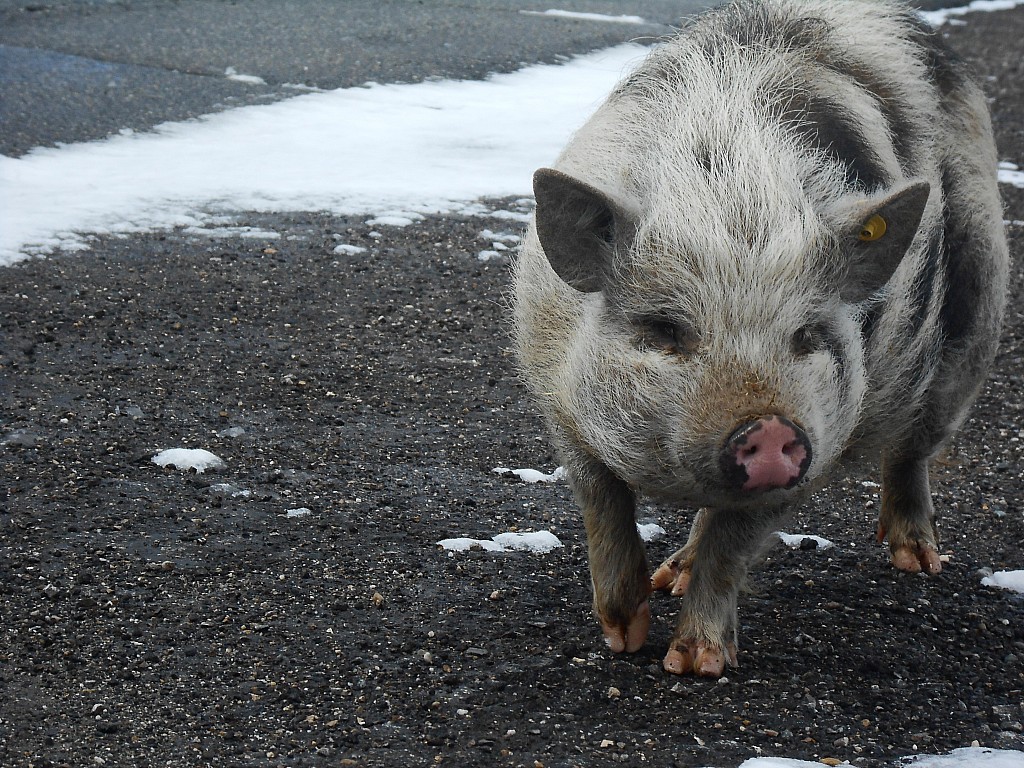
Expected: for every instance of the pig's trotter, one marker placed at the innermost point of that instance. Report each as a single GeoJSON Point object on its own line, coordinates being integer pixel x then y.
{"type": "Point", "coordinates": [907, 518]}
{"type": "Point", "coordinates": [629, 635]}
{"type": "Point", "coordinates": [701, 658]}
{"type": "Point", "coordinates": [620, 602]}
{"type": "Point", "coordinates": [673, 575]}
{"type": "Point", "coordinates": [710, 569]}
{"type": "Point", "coordinates": [618, 562]}
{"type": "Point", "coordinates": [917, 557]}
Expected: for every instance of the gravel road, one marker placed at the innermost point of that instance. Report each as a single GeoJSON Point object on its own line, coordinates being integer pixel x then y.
{"type": "Point", "coordinates": [156, 617]}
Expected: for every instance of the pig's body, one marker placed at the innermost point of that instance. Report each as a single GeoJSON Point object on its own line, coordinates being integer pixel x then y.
{"type": "Point", "coordinates": [776, 247]}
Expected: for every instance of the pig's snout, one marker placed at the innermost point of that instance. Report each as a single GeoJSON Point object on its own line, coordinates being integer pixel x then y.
{"type": "Point", "coordinates": [766, 453]}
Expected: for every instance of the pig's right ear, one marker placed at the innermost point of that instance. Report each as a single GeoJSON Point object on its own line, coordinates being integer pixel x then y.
{"type": "Point", "coordinates": [578, 226]}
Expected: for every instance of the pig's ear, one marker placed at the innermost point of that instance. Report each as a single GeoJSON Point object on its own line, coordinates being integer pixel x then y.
{"type": "Point", "coordinates": [880, 238]}
{"type": "Point", "coordinates": [578, 226]}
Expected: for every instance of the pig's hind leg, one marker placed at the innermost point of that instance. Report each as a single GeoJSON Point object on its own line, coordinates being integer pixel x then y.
{"type": "Point", "coordinates": [907, 517]}
{"type": "Point", "coordinates": [975, 268]}
{"type": "Point", "coordinates": [618, 561]}
{"type": "Point", "coordinates": [673, 575]}
{"type": "Point", "coordinates": [716, 559]}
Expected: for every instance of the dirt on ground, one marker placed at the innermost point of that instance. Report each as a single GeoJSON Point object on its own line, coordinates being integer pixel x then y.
{"type": "Point", "coordinates": [293, 608]}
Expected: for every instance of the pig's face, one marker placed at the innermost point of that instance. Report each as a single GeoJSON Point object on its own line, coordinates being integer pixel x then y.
{"type": "Point", "coordinates": [660, 389]}
{"type": "Point", "coordinates": [713, 367]}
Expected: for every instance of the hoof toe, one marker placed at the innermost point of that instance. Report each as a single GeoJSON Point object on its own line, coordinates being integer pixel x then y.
{"type": "Point", "coordinates": [917, 559]}
{"type": "Point", "coordinates": [631, 637]}
{"type": "Point", "coordinates": [671, 577]}
{"type": "Point", "coordinates": [677, 662]}
{"type": "Point", "coordinates": [702, 659]}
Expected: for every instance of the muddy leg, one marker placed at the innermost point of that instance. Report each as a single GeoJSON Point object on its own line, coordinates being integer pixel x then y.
{"type": "Point", "coordinates": [723, 544]}
{"type": "Point", "coordinates": [618, 562]}
{"type": "Point", "coordinates": [907, 517]}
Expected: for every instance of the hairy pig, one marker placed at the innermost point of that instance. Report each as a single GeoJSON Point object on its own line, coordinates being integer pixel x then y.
{"type": "Point", "coordinates": [775, 249]}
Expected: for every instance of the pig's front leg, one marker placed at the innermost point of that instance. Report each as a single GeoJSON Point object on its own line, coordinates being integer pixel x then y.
{"type": "Point", "coordinates": [907, 517]}
{"type": "Point", "coordinates": [618, 563]}
{"type": "Point", "coordinates": [721, 547]}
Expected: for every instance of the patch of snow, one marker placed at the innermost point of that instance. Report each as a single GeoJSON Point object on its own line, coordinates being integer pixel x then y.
{"type": "Point", "coordinates": [395, 219]}
{"type": "Point", "coordinates": [349, 250]}
{"type": "Point", "coordinates": [488, 255]}
{"type": "Point", "coordinates": [20, 438]}
{"type": "Point", "coordinates": [966, 757]}
{"type": "Point", "coordinates": [1013, 580]}
{"type": "Point", "coordinates": [248, 232]}
{"type": "Point", "coordinates": [380, 150]}
{"type": "Point", "coordinates": [299, 512]}
{"type": "Point", "coordinates": [228, 489]}
{"type": "Point", "coordinates": [532, 475]}
{"type": "Point", "coordinates": [233, 74]}
{"type": "Point", "coordinates": [535, 541]}
{"type": "Point", "coordinates": [511, 216]}
{"type": "Point", "coordinates": [938, 18]}
{"type": "Point", "coordinates": [231, 432]}
{"type": "Point", "coordinates": [185, 459]}
{"type": "Point", "coordinates": [502, 237]}
{"type": "Point", "coordinates": [969, 757]}
{"type": "Point", "coordinates": [794, 540]}
{"type": "Point", "coordinates": [583, 16]}
{"type": "Point", "coordinates": [1011, 174]}
{"type": "Point", "coordinates": [649, 531]}
{"type": "Point", "coordinates": [463, 544]}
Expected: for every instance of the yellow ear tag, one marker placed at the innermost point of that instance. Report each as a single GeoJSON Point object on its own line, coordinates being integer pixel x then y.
{"type": "Point", "coordinates": [872, 229]}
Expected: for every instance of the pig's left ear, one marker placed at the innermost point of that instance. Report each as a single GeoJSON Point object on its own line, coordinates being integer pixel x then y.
{"type": "Point", "coordinates": [878, 241]}
{"type": "Point", "coordinates": [578, 226]}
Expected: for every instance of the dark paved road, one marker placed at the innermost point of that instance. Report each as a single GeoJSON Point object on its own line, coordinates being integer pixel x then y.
{"type": "Point", "coordinates": [75, 70]}
{"type": "Point", "coordinates": [72, 71]}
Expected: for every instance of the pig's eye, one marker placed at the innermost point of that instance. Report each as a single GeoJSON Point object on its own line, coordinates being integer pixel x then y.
{"type": "Point", "coordinates": [872, 229]}
{"type": "Point", "coordinates": [668, 335]}
{"type": "Point", "coordinates": [807, 340]}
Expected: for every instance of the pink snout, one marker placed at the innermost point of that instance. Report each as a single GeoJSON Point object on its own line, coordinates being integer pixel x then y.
{"type": "Point", "coordinates": [766, 453]}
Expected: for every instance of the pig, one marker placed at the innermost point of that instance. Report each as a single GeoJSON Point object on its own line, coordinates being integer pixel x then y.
{"type": "Point", "coordinates": [774, 251]}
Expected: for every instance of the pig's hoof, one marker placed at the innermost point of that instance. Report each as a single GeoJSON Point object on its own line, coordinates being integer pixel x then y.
{"type": "Point", "coordinates": [701, 659]}
{"type": "Point", "coordinates": [910, 554]}
{"type": "Point", "coordinates": [916, 557]}
{"type": "Point", "coordinates": [673, 575]}
{"type": "Point", "coordinates": [630, 637]}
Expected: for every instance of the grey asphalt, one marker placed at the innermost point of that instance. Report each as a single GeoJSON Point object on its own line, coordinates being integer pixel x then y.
{"type": "Point", "coordinates": [77, 70]}
{"type": "Point", "coordinates": [74, 71]}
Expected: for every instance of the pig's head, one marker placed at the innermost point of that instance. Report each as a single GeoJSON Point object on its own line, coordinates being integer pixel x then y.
{"type": "Point", "coordinates": [719, 358]}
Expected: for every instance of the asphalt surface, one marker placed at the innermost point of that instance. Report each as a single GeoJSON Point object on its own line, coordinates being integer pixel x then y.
{"type": "Point", "coordinates": [292, 609]}
{"type": "Point", "coordinates": [84, 69]}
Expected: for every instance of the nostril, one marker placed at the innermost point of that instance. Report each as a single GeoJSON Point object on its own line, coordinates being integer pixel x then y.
{"type": "Point", "coordinates": [765, 453]}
